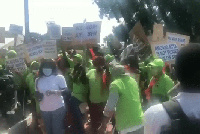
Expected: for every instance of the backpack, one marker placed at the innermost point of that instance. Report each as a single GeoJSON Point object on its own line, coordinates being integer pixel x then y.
{"type": "Point", "coordinates": [180, 123]}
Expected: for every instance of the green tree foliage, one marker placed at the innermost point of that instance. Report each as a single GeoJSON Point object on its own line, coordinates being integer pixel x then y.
{"type": "Point", "coordinates": [181, 16]}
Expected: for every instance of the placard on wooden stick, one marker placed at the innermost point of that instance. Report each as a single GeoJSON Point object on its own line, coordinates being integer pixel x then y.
{"type": "Point", "coordinates": [34, 52]}
{"type": "Point", "coordinates": [165, 50]}
{"type": "Point", "coordinates": [50, 49]}
{"type": "Point", "coordinates": [138, 32]}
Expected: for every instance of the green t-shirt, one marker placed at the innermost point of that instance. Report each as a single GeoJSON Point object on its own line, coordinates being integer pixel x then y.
{"type": "Point", "coordinates": [96, 93]}
{"type": "Point", "coordinates": [80, 92]}
{"type": "Point", "coordinates": [71, 63]}
{"type": "Point", "coordinates": [89, 66]}
{"type": "Point", "coordinates": [30, 81]}
{"type": "Point", "coordinates": [128, 109]}
{"type": "Point", "coordinates": [162, 86]}
{"type": "Point", "coordinates": [18, 81]}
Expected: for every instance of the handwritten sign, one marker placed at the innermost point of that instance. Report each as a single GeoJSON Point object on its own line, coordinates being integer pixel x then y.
{"type": "Point", "coordinates": [16, 64]}
{"type": "Point", "coordinates": [34, 52]}
{"type": "Point", "coordinates": [177, 38]}
{"type": "Point", "coordinates": [93, 30]}
{"type": "Point", "coordinates": [15, 29]}
{"type": "Point", "coordinates": [167, 52]}
{"type": "Point", "coordinates": [67, 34]}
{"type": "Point", "coordinates": [87, 33]}
{"type": "Point", "coordinates": [50, 49]}
{"type": "Point", "coordinates": [79, 33]}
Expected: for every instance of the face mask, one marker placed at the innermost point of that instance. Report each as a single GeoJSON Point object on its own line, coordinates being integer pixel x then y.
{"type": "Point", "coordinates": [47, 71]}
{"type": "Point", "coordinates": [34, 71]}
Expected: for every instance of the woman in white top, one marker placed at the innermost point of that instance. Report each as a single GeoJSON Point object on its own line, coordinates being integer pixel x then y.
{"type": "Point", "coordinates": [49, 89]}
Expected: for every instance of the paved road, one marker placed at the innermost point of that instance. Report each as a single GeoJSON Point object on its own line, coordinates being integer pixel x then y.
{"type": "Point", "coordinates": [12, 119]}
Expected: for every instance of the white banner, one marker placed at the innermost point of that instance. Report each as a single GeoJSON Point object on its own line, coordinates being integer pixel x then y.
{"type": "Point", "coordinates": [16, 64]}
{"type": "Point", "coordinates": [167, 52]}
{"type": "Point", "coordinates": [67, 34]}
{"type": "Point", "coordinates": [50, 49]}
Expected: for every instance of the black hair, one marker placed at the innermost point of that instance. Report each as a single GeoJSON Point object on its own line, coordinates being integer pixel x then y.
{"type": "Point", "coordinates": [133, 61]}
{"type": "Point", "coordinates": [47, 63]}
{"type": "Point", "coordinates": [79, 74]}
{"type": "Point", "coordinates": [187, 66]}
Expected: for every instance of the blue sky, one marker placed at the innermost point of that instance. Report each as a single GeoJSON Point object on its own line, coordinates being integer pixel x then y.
{"type": "Point", "coordinates": [63, 12]}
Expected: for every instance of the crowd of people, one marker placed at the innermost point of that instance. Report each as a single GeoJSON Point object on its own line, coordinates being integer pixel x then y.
{"type": "Point", "coordinates": [74, 91]}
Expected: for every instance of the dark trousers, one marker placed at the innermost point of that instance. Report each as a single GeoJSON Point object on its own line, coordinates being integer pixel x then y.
{"type": "Point", "coordinates": [96, 115]}
{"type": "Point", "coordinates": [54, 120]}
{"type": "Point", "coordinates": [78, 125]}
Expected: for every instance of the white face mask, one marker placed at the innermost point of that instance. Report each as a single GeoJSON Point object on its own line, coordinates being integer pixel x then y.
{"type": "Point", "coordinates": [47, 71]}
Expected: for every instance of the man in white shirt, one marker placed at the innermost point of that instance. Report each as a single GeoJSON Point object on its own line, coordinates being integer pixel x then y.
{"type": "Point", "coordinates": [188, 74]}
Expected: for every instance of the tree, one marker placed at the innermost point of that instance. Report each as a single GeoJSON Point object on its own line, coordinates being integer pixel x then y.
{"type": "Point", "coordinates": [121, 32]}
{"type": "Point", "coordinates": [113, 44]}
{"type": "Point", "coordinates": [181, 16]}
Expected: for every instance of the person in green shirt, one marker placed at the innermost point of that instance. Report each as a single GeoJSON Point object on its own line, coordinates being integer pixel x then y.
{"type": "Point", "coordinates": [30, 81]}
{"type": "Point", "coordinates": [98, 94]}
{"type": "Point", "coordinates": [109, 58]}
{"type": "Point", "coordinates": [124, 103]}
{"type": "Point", "coordinates": [160, 83]}
{"type": "Point", "coordinates": [17, 77]}
{"type": "Point", "coordinates": [79, 93]}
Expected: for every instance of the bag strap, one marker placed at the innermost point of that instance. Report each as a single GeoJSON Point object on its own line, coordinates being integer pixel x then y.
{"type": "Point", "coordinates": [174, 110]}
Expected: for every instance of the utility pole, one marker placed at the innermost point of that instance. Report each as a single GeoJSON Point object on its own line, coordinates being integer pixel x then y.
{"type": "Point", "coordinates": [26, 17]}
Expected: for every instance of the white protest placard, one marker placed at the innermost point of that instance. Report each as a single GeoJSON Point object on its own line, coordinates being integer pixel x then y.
{"type": "Point", "coordinates": [16, 64]}
{"type": "Point", "coordinates": [177, 38]}
{"type": "Point", "coordinates": [2, 34]}
{"type": "Point", "coordinates": [15, 29]}
{"type": "Point", "coordinates": [67, 34]}
{"type": "Point", "coordinates": [50, 49]}
{"type": "Point", "coordinates": [167, 51]}
{"type": "Point", "coordinates": [54, 31]}
{"type": "Point", "coordinates": [79, 33]}
{"type": "Point", "coordinates": [34, 52]}
{"type": "Point", "coordinates": [93, 30]}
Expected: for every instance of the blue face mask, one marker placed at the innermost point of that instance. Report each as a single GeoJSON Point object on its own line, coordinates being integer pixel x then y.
{"type": "Point", "coordinates": [47, 71]}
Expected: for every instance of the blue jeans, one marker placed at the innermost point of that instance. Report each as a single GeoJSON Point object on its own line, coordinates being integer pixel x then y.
{"type": "Point", "coordinates": [54, 121]}
{"type": "Point", "coordinates": [77, 115]}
